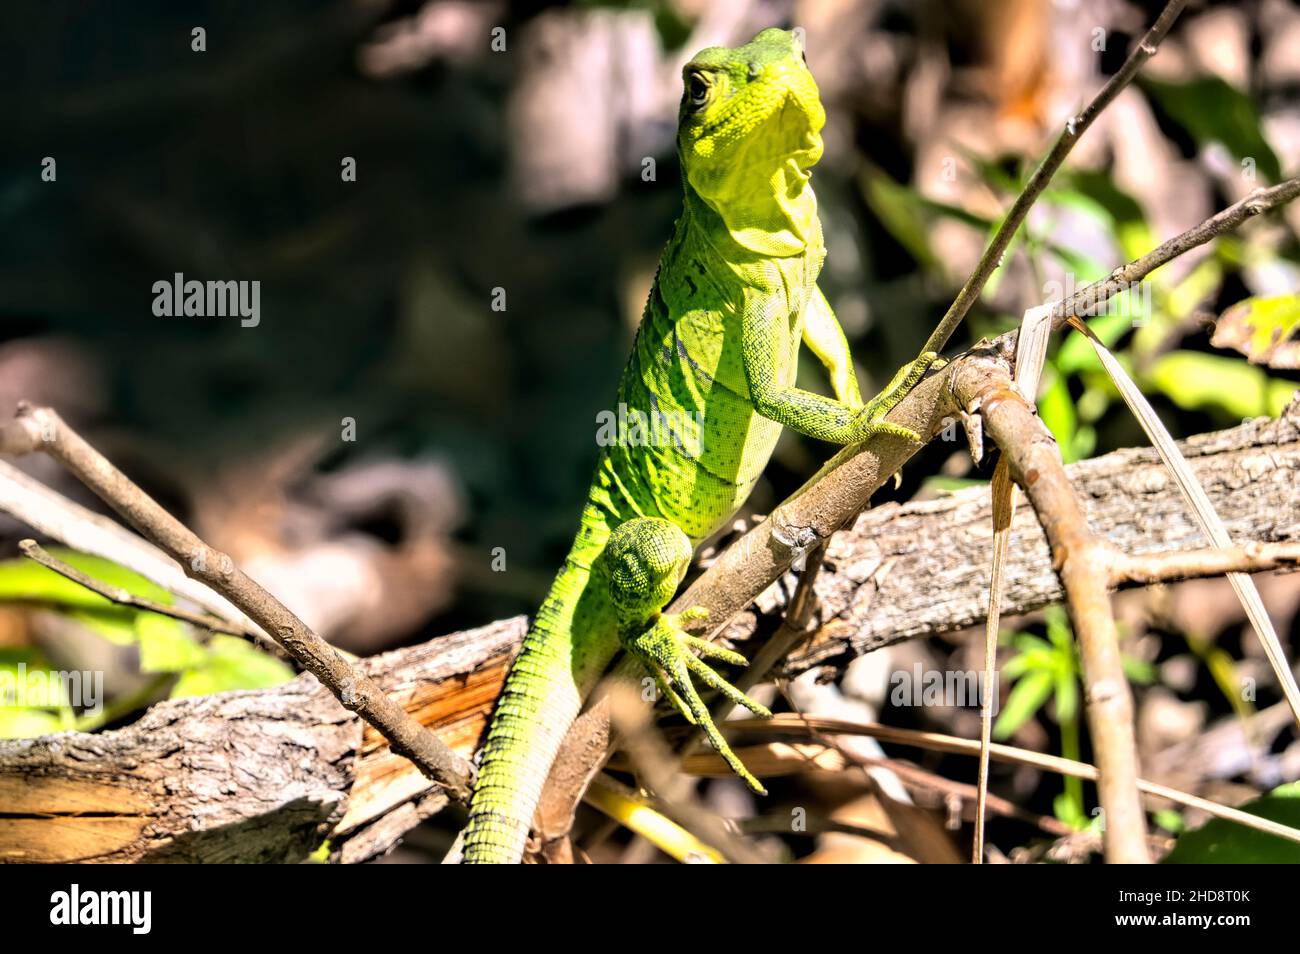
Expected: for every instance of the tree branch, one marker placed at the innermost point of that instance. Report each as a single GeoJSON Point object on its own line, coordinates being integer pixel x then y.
{"type": "Point", "coordinates": [52, 514]}
{"type": "Point", "coordinates": [266, 775]}
{"type": "Point", "coordinates": [1080, 559]}
{"type": "Point", "coordinates": [1075, 127]}
{"type": "Point", "coordinates": [41, 429]}
{"type": "Point", "coordinates": [1084, 302]}
{"type": "Point", "coordinates": [124, 597]}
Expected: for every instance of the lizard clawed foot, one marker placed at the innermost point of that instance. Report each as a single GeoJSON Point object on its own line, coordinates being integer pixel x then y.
{"type": "Point", "coordinates": [870, 419]}
{"type": "Point", "coordinates": [666, 649]}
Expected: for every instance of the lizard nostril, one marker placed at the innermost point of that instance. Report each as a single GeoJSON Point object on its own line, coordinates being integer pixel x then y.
{"type": "Point", "coordinates": [754, 70]}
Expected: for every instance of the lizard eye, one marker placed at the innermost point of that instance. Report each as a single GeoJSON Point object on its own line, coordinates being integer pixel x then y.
{"type": "Point", "coordinates": [697, 89]}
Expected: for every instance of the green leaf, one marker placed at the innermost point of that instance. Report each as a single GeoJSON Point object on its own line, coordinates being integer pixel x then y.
{"type": "Point", "coordinates": [1213, 111]}
{"type": "Point", "coordinates": [1056, 408]}
{"type": "Point", "coordinates": [166, 644]}
{"type": "Point", "coordinates": [231, 663]}
{"type": "Point", "coordinates": [992, 172]}
{"type": "Point", "coordinates": [1169, 820]}
{"type": "Point", "coordinates": [1138, 670]}
{"type": "Point", "coordinates": [1194, 289]}
{"type": "Point", "coordinates": [1129, 223]}
{"type": "Point", "coordinates": [1067, 696]}
{"type": "Point", "coordinates": [24, 580]}
{"type": "Point", "coordinates": [1058, 629]}
{"type": "Point", "coordinates": [30, 705]}
{"type": "Point", "coordinates": [1262, 329]}
{"type": "Point", "coordinates": [1197, 381]}
{"type": "Point", "coordinates": [1224, 842]}
{"type": "Point", "coordinates": [1076, 353]}
{"type": "Point", "coordinates": [28, 723]}
{"type": "Point", "coordinates": [1068, 810]}
{"type": "Point", "coordinates": [941, 483]}
{"type": "Point", "coordinates": [1085, 269]}
{"type": "Point", "coordinates": [1025, 698]}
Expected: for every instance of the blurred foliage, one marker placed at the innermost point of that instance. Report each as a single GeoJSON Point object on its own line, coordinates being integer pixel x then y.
{"type": "Point", "coordinates": [42, 708]}
{"type": "Point", "coordinates": [1224, 842]}
{"type": "Point", "coordinates": [1263, 329]}
{"type": "Point", "coordinates": [1076, 391]}
{"type": "Point", "coordinates": [1046, 670]}
{"type": "Point", "coordinates": [167, 647]}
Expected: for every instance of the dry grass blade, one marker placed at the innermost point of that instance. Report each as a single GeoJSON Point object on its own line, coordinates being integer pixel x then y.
{"type": "Point", "coordinates": [788, 724]}
{"type": "Point", "coordinates": [1207, 517]}
{"type": "Point", "coordinates": [1004, 509]}
{"type": "Point", "coordinates": [1031, 353]}
{"type": "Point", "coordinates": [634, 814]}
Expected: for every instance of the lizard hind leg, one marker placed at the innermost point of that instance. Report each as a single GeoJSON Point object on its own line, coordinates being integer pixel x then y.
{"type": "Point", "coordinates": [646, 559]}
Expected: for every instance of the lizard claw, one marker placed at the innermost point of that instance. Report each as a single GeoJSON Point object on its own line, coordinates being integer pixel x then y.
{"type": "Point", "coordinates": [870, 419]}
{"type": "Point", "coordinates": [665, 648]}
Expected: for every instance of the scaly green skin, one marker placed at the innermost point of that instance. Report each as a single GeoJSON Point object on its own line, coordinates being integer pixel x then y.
{"type": "Point", "coordinates": [715, 359]}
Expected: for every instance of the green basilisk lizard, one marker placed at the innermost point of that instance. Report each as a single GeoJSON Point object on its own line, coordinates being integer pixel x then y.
{"type": "Point", "coordinates": [713, 366]}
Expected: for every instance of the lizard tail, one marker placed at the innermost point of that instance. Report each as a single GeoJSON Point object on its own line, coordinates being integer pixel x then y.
{"type": "Point", "coordinates": [537, 706]}
{"type": "Point", "coordinates": [570, 643]}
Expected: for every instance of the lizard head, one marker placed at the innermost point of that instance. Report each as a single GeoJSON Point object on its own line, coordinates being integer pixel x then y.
{"type": "Point", "coordinates": [748, 131]}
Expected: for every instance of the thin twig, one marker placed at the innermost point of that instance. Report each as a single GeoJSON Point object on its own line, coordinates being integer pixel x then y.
{"type": "Point", "coordinates": [1207, 518]}
{"type": "Point", "coordinates": [1174, 565]}
{"type": "Point", "coordinates": [54, 515]}
{"type": "Point", "coordinates": [657, 766]}
{"type": "Point", "coordinates": [785, 724]}
{"type": "Point", "coordinates": [1084, 302]}
{"type": "Point", "coordinates": [918, 780]}
{"type": "Point", "coordinates": [41, 429]}
{"type": "Point", "coordinates": [124, 597]}
{"type": "Point", "coordinates": [1077, 555]}
{"type": "Point", "coordinates": [1075, 127]}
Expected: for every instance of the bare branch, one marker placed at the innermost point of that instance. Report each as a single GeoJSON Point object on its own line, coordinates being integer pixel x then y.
{"type": "Point", "coordinates": [124, 597]}
{"type": "Point", "coordinates": [41, 429]}
{"type": "Point", "coordinates": [1084, 302]}
{"type": "Point", "coordinates": [1177, 565]}
{"type": "Point", "coordinates": [785, 724]}
{"type": "Point", "coordinates": [1079, 558]}
{"type": "Point", "coordinates": [265, 775]}
{"type": "Point", "coordinates": [55, 516]}
{"type": "Point", "coordinates": [1074, 128]}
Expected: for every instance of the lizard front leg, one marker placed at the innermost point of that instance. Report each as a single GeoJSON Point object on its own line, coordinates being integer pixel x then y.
{"type": "Point", "coordinates": [825, 338]}
{"type": "Point", "coordinates": [768, 360]}
{"type": "Point", "coordinates": [646, 558]}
